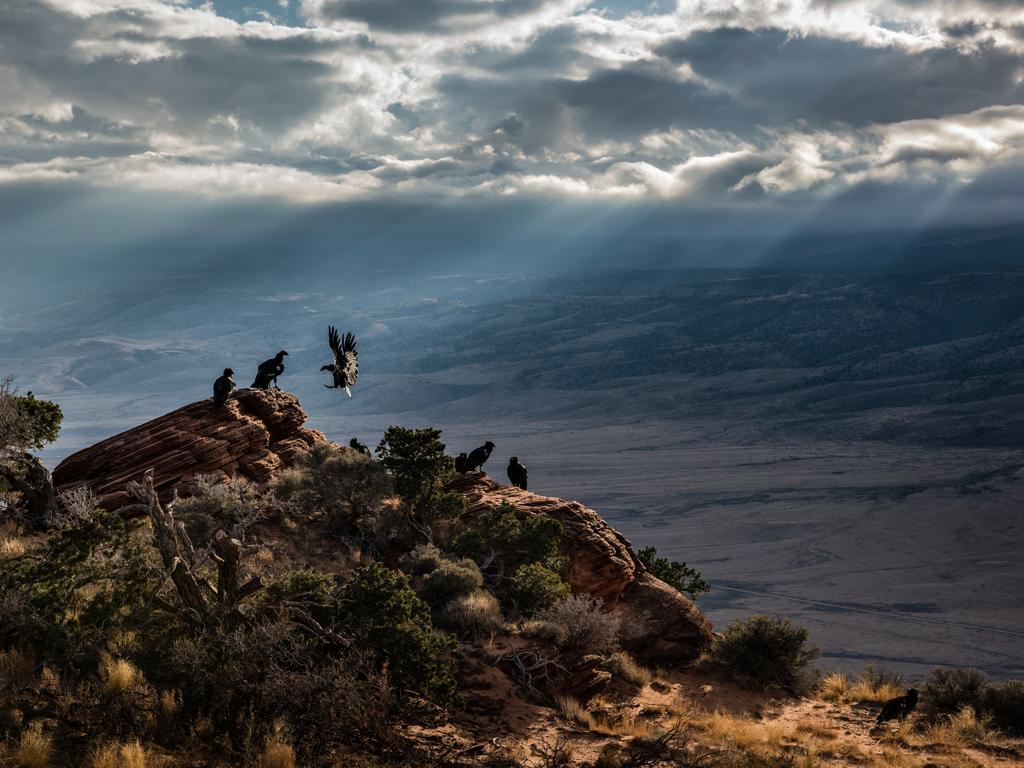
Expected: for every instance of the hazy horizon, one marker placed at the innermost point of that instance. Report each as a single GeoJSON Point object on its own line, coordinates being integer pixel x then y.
{"type": "Point", "coordinates": [747, 277]}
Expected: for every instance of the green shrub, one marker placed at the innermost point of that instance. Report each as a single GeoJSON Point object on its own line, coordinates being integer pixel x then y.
{"type": "Point", "coordinates": [767, 650]}
{"type": "Point", "coordinates": [382, 613]}
{"type": "Point", "coordinates": [532, 539]}
{"type": "Point", "coordinates": [423, 559]}
{"type": "Point", "coordinates": [251, 680]}
{"type": "Point", "coordinates": [536, 588]}
{"type": "Point", "coordinates": [316, 590]}
{"type": "Point", "coordinates": [947, 691]}
{"type": "Point", "coordinates": [471, 543]}
{"type": "Point", "coordinates": [451, 579]}
{"type": "Point", "coordinates": [216, 504]}
{"type": "Point", "coordinates": [26, 422]}
{"type": "Point", "coordinates": [685, 579]}
{"type": "Point", "coordinates": [55, 616]}
{"type": "Point", "coordinates": [416, 460]}
{"type": "Point", "coordinates": [346, 486]}
{"type": "Point", "coordinates": [1004, 703]}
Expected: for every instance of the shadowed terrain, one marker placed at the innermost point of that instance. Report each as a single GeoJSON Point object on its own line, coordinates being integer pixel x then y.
{"type": "Point", "coordinates": [842, 448]}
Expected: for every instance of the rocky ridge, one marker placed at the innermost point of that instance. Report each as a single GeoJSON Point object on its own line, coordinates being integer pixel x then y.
{"type": "Point", "coordinates": [260, 432]}
{"type": "Point", "coordinates": [254, 435]}
{"type": "Point", "coordinates": [658, 623]}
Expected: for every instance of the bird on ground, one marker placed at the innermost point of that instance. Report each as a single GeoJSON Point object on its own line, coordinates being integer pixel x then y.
{"type": "Point", "coordinates": [269, 370]}
{"type": "Point", "coordinates": [478, 456]}
{"type": "Point", "coordinates": [517, 473]}
{"type": "Point", "coordinates": [355, 445]}
{"type": "Point", "coordinates": [222, 387]}
{"type": "Point", "coordinates": [460, 463]}
{"type": "Point", "coordinates": [898, 708]}
{"type": "Point", "coordinates": [345, 368]}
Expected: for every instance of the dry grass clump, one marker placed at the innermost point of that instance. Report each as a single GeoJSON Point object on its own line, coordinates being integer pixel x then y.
{"type": "Point", "coordinates": [34, 749]}
{"type": "Point", "coordinates": [816, 728]}
{"type": "Point", "coordinates": [741, 732]}
{"type": "Point", "coordinates": [128, 754]}
{"type": "Point", "coordinates": [895, 732]}
{"type": "Point", "coordinates": [825, 741]}
{"type": "Point", "coordinates": [168, 704]}
{"type": "Point", "coordinates": [963, 729]}
{"type": "Point", "coordinates": [477, 614]}
{"type": "Point", "coordinates": [576, 713]}
{"type": "Point", "coordinates": [278, 754]}
{"type": "Point", "coordinates": [894, 758]}
{"type": "Point", "coordinates": [623, 666]}
{"type": "Point", "coordinates": [872, 686]}
{"type": "Point", "coordinates": [122, 642]}
{"type": "Point", "coordinates": [12, 545]}
{"type": "Point", "coordinates": [835, 686]}
{"type": "Point", "coordinates": [119, 676]}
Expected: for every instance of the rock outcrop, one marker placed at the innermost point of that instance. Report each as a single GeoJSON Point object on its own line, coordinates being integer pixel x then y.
{"type": "Point", "coordinates": [658, 623]}
{"type": "Point", "coordinates": [254, 435]}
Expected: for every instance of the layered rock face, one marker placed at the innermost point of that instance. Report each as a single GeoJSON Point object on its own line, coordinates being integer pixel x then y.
{"type": "Point", "coordinates": [658, 623]}
{"type": "Point", "coordinates": [254, 435]}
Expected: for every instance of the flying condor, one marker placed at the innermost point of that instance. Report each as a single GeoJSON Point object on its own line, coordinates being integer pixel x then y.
{"type": "Point", "coordinates": [345, 368]}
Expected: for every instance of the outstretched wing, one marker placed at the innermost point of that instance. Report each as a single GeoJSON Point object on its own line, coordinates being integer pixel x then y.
{"type": "Point", "coordinates": [347, 360]}
{"type": "Point", "coordinates": [333, 341]}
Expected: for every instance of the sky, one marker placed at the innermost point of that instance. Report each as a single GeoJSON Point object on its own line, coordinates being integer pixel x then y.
{"type": "Point", "coordinates": [152, 116]}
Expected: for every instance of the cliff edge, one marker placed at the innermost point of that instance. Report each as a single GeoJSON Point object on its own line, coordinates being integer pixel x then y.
{"type": "Point", "coordinates": [254, 435]}
{"type": "Point", "coordinates": [658, 623]}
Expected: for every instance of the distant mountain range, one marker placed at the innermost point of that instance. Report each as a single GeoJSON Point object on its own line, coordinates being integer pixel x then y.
{"type": "Point", "coordinates": [909, 357]}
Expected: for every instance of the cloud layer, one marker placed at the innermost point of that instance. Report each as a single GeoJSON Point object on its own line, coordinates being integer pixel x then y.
{"type": "Point", "coordinates": [725, 102]}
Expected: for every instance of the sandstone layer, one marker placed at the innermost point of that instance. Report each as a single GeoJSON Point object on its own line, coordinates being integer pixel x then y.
{"type": "Point", "coordinates": [658, 623]}
{"type": "Point", "coordinates": [254, 435]}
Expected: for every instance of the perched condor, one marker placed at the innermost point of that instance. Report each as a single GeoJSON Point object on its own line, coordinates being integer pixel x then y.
{"type": "Point", "coordinates": [222, 387]}
{"type": "Point", "coordinates": [898, 708]}
{"type": "Point", "coordinates": [460, 463]}
{"type": "Point", "coordinates": [478, 456]}
{"type": "Point", "coordinates": [355, 445]}
{"type": "Point", "coordinates": [517, 474]}
{"type": "Point", "coordinates": [345, 368]}
{"type": "Point", "coordinates": [269, 370]}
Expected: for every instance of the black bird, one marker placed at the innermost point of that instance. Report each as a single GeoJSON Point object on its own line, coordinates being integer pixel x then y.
{"type": "Point", "coordinates": [345, 367]}
{"type": "Point", "coordinates": [355, 445]}
{"type": "Point", "coordinates": [222, 387]}
{"type": "Point", "coordinates": [269, 370]}
{"type": "Point", "coordinates": [898, 708]}
{"type": "Point", "coordinates": [517, 474]}
{"type": "Point", "coordinates": [460, 463]}
{"type": "Point", "coordinates": [478, 456]}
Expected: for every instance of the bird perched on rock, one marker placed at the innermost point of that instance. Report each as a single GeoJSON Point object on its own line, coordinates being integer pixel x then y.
{"type": "Point", "coordinates": [898, 708]}
{"type": "Point", "coordinates": [517, 474]}
{"type": "Point", "coordinates": [222, 387]}
{"type": "Point", "coordinates": [269, 370]}
{"type": "Point", "coordinates": [345, 368]}
{"type": "Point", "coordinates": [460, 463]}
{"type": "Point", "coordinates": [355, 445]}
{"type": "Point", "coordinates": [478, 456]}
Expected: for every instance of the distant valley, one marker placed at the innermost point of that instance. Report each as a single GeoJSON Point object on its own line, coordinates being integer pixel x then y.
{"type": "Point", "coordinates": [803, 438]}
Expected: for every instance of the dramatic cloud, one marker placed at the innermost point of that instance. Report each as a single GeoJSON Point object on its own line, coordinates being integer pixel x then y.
{"type": "Point", "coordinates": [719, 102]}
